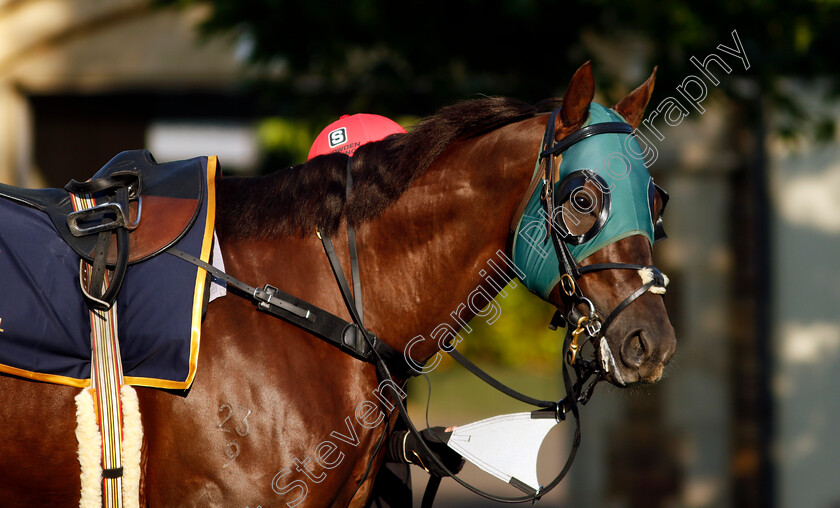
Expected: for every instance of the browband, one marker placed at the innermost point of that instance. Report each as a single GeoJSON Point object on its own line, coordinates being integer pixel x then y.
{"type": "Point", "coordinates": [585, 132]}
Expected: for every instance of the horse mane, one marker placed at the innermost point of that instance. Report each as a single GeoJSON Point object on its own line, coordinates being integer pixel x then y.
{"type": "Point", "coordinates": [296, 200]}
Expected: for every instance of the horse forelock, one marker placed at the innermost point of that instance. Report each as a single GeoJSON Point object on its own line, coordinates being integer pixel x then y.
{"type": "Point", "coordinates": [297, 200]}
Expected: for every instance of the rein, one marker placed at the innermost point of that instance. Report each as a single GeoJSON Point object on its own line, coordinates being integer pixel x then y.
{"type": "Point", "coordinates": [570, 273]}
{"type": "Point", "coordinates": [572, 297]}
{"type": "Point", "coordinates": [354, 339]}
{"type": "Point", "coordinates": [555, 409]}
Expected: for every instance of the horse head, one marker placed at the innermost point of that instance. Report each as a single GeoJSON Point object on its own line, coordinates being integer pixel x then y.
{"type": "Point", "coordinates": [589, 206]}
{"type": "Point", "coordinates": [606, 217]}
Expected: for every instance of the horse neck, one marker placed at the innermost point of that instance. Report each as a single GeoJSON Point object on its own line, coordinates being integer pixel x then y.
{"type": "Point", "coordinates": [437, 256]}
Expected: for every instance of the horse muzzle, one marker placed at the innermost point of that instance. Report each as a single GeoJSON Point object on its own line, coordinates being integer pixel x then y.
{"type": "Point", "coordinates": [636, 356]}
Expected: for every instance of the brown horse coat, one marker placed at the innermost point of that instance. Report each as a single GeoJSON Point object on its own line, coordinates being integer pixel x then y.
{"type": "Point", "coordinates": [277, 417]}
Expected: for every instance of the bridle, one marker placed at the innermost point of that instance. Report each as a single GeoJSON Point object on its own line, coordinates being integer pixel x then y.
{"type": "Point", "coordinates": [354, 339]}
{"type": "Point", "coordinates": [588, 324]}
{"type": "Point", "coordinates": [577, 324]}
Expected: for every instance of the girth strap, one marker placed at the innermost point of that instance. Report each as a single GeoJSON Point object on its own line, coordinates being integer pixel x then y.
{"type": "Point", "coordinates": [106, 374]}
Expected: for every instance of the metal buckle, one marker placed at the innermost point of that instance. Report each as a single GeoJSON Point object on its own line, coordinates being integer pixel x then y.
{"type": "Point", "coordinates": [593, 324]}
{"type": "Point", "coordinates": [593, 327]}
{"type": "Point", "coordinates": [588, 323]}
{"type": "Point", "coordinates": [121, 216]}
{"type": "Point", "coordinates": [264, 295]}
{"type": "Point", "coordinates": [267, 302]}
{"type": "Point", "coordinates": [575, 346]}
{"type": "Point", "coordinates": [567, 283]}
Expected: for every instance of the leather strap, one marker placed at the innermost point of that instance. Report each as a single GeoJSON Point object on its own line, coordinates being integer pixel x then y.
{"type": "Point", "coordinates": [627, 301]}
{"type": "Point", "coordinates": [610, 266]}
{"type": "Point", "coordinates": [268, 298]}
{"type": "Point", "coordinates": [376, 359]}
{"type": "Point", "coordinates": [498, 385]}
{"type": "Point", "coordinates": [657, 281]}
{"type": "Point", "coordinates": [98, 295]}
{"type": "Point", "coordinates": [338, 272]}
{"type": "Point", "coordinates": [431, 490]}
{"type": "Point", "coordinates": [585, 132]}
{"type": "Point", "coordinates": [116, 180]}
{"type": "Point", "coordinates": [354, 255]}
{"type": "Point", "coordinates": [313, 319]}
{"type": "Point", "coordinates": [97, 273]}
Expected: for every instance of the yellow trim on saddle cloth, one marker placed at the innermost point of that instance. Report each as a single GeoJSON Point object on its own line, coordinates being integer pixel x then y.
{"type": "Point", "coordinates": [198, 303]}
{"type": "Point", "coordinates": [198, 294]}
{"type": "Point", "coordinates": [82, 202]}
{"type": "Point", "coordinates": [45, 378]}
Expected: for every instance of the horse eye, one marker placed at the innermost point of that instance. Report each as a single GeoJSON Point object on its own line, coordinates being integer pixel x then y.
{"type": "Point", "coordinates": [582, 201]}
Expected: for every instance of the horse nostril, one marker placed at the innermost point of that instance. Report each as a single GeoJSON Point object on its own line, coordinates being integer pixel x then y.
{"type": "Point", "coordinates": [634, 349]}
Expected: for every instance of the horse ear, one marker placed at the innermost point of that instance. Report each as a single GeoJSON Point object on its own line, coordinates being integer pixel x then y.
{"type": "Point", "coordinates": [578, 96]}
{"type": "Point", "coordinates": [632, 107]}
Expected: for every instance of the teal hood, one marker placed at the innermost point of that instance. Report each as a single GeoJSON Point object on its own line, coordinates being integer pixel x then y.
{"type": "Point", "coordinates": [618, 162]}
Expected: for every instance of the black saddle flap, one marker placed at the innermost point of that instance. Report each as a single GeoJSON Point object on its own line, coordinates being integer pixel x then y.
{"type": "Point", "coordinates": [170, 200]}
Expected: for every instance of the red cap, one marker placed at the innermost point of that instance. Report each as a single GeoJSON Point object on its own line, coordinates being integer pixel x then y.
{"type": "Point", "coordinates": [350, 132]}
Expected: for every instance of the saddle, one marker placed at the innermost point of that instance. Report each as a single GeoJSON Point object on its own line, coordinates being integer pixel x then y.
{"type": "Point", "coordinates": [140, 208]}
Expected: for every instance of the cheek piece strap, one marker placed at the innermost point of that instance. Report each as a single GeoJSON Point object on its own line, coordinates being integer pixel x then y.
{"type": "Point", "coordinates": [578, 323]}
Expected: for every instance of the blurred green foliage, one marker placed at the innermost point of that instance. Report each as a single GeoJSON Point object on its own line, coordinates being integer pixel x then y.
{"type": "Point", "coordinates": [285, 138]}
{"type": "Point", "coordinates": [458, 396]}
{"type": "Point", "coordinates": [519, 337]}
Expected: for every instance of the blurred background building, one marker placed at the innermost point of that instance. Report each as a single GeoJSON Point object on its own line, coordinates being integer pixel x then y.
{"type": "Point", "coordinates": [746, 416]}
{"type": "Point", "coordinates": [81, 81]}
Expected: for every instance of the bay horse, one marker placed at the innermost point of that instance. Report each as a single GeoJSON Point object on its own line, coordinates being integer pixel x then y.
{"type": "Point", "coordinates": [430, 207]}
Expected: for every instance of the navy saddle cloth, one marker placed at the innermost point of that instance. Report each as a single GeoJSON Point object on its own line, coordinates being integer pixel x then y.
{"type": "Point", "coordinates": [44, 321]}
